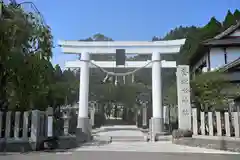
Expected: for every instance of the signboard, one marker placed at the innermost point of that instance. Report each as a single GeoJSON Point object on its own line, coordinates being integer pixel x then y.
{"type": "Point", "coordinates": [184, 102]}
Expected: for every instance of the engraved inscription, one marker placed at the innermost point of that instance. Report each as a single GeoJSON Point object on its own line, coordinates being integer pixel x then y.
{"type": "Point", "coordinates": [185, 90]}
{"type": "Point", "coordinates": [185, 99]}
{"type": "Point", "coordinates": [184, 72]}
{"type": "Point", "coordinates": [185, 112]}
{"type": "Point", "coordinates": [184, 81]}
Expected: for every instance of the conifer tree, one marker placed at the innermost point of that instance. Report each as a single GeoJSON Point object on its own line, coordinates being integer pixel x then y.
{"type": "Point", "coordinates": [229, 20]}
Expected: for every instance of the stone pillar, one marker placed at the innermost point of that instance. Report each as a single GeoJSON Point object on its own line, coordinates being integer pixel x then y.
{"type": "Point", "coordinates": [227, 124]}
{"type": "Point", "coordinates": [236, 122]}
{"type": "Point", "coordinates": [157, 107]}
{"type": "Point", "coordinates": [66, 122]}
{"type": "Point", "coordinates": [25, 125]}
{"type": "Point", "coordinates": [166, 115]}
{"type": "Point", "coordinates": [124, 79]}
{"type": "Point", "coordinates": [92, 115]}
{"type": "Point", "coordinates": [133, 78]}
{"type": "Point", "coordinates": [195, 121]}
{"type": "Point", "coordinates": [138, 115]}
{"type": "Point", "coordinates": [202, 116]}
{"type": "Point", "coordinates": [219, 124]}
{"type": "Point", "coordinates": [8, 124]}
{"type": "Point", "coordinates": [16, 124]}
{"type": "Point", "coordinates": [144, 116]}
{"type": "Point", "coordinates": [82, 130]}
{"type": "Point", "coordinates": [49, 122]}
{"type": "Point", "coordinates": [183, 94]}
{"type": "Point", "coordinates": [35, 129]}
{"type": "Point", "coordinates": [210, 123]}
{"type": "Point", "coordinates": [151, 138]}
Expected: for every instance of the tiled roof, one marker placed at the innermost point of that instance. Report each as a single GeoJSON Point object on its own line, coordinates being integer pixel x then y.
{"type": "Point", "coordinates": [235, 41]}
{"type": "Point", "coordinates": [231, 65]}
{"type": "Point", "coordinates": [227, 31]}
{"type": "Point", "coordinates": [224, 33]}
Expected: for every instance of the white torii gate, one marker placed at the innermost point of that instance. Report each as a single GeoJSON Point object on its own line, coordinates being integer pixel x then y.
{"type": "Point", "coordinates": [131, 47]}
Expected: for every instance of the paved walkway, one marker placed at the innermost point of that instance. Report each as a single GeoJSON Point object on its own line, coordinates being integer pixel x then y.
{"type": "Point", "coordinates": [120, 130]}
{"type": "Point", "coordinates": [133, 131]}
{"type": "Point", "coordinates": [163, 146]}
{"type": "Point", "coordinates": [109, 155]}
{"type": "Point", "coordinates": [163, 150]}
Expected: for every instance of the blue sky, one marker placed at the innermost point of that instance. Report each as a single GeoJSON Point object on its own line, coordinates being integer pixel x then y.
{"type": "Point", "coordinates": [125, 19]}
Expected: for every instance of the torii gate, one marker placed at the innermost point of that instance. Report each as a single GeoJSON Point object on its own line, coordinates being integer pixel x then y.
{"type": "Point", "coordinates": [131, 47]}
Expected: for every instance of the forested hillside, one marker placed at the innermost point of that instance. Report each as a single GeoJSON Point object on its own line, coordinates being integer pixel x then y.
{"type": "Point", "coordinates": [195, 35]}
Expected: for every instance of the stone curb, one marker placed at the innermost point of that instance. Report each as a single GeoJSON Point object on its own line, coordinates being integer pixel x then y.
{"type": "Point", "coordinates": [233, 146]}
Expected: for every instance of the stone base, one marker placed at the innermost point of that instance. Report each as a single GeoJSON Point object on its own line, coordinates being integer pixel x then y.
{"type": "Point", "coordinates": [83, 130]}
{"type": "Point", "coordinates": [179, 133]}
{"type": "Point", "coordinates": [67, 142]}
{"type": "Point", "coordinates": [144, 127]}
{"type": "Point", "coordinates": [163, 136]}
{"type": "Point", "coordinates": [156, 129]}
{"type": "Point", "coordinates": [157, 125]}
{"type": "Point", "coordinates": [18, 146]}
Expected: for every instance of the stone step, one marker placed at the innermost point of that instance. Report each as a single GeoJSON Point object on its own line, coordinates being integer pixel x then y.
{"type": "Point", "coordinates": [128, 139]}
{"type": "Point", "coordinates": [161, 138]}
{"type": "Point", "coordinates": [164, 138]}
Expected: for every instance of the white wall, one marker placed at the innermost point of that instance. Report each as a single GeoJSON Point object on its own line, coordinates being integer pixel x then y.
{"type": "Point", "coordinates": [217, 56]}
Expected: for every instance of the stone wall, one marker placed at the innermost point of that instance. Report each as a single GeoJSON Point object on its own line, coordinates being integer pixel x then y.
{"type": "Point", "coordinates": [21, 131]}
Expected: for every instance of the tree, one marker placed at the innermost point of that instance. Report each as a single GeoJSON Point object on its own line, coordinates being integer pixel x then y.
{"type": "Point", "coordinates": [229, 20]}
{"type": "Point", "coordinates": [208, 90]}
{"type": "Point", "coordinates": [25, 44]}
{"type": "Point", "coordinates": [155, 38]}
{"type": "Point", "coordinates": [170, 97]}
{"type": "Point", "coordinates": [237, 15]}
{"type": "Point", "coordinates": [97, 37]}
{"type": "Point", "coordinates": [28, 79]}
{"type": "Point", "coordinates": [213, 28]}
{"type": "Point", "coordinates": [101, 37]}
{"type": "Point", "coordinates": [179, 33]}
{"type": "Point", "coordinates": [58, 73]}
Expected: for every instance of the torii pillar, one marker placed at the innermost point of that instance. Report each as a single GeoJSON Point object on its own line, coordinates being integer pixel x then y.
{"type": "Point", "coordinates": [157, 106]}
{"type": "Point", "coordinates": [83, 125]}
